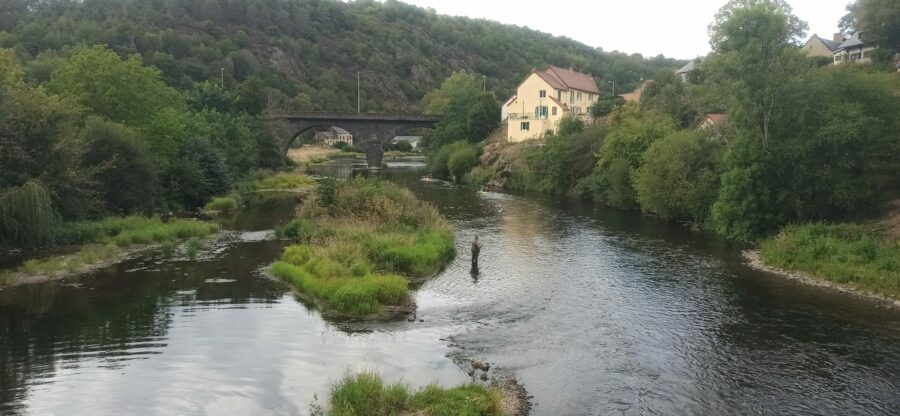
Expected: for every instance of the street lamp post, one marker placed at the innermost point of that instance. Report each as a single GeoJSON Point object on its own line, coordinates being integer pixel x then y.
{"type": "Point", "coordinates": [614, 87]}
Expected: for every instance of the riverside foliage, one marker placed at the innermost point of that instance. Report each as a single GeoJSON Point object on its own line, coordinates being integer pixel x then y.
{"type": "Point", "coordinates": [357, 244]}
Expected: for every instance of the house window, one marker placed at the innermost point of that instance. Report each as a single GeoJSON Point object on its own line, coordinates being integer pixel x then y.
{"type": "Point", "coordinates": [572, 97]}
{"type": "Point", "coordinates": [554, 110]}
{"type": "Point", "coordinates": [558, 95]}
{"type": "Point", "coordinates": [540, 112]}
{"type": "Point", "coordinates": [542, 94]}
{"type": "Point", "coordinates": [579, 96]}
{"type": "Point", "coordinates": [525, 126]}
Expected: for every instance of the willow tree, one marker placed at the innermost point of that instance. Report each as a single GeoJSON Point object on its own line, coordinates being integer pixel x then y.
{"type": "Point", "coordinates": [27, 218]}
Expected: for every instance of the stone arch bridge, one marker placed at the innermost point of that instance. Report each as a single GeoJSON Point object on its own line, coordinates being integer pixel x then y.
{"type": "Point", "coordinates": [371, 132]}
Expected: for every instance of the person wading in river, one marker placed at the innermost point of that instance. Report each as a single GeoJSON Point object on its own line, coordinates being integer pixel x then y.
{"type": "Point", "coordinates": [476, 248]}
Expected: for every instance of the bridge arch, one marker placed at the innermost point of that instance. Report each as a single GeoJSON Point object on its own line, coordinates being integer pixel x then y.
{"type": "Point", "coordinates": [371, 132]}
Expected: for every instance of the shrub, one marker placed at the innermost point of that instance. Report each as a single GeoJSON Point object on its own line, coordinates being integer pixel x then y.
{"type": "Point", "coordinates": [27, 218]}
{"type": "Point", "coordinates": [462, 161]}
{"type": "Point", "coordinates": [222, 204]}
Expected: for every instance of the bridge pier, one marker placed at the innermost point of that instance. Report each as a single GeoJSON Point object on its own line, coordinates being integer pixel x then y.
{"type": "Point", "coordinates": [371, 132]}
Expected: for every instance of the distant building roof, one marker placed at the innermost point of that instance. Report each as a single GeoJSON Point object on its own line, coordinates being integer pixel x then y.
{"type": "Point", "coordinates": [635, 96]}
{"type": "Point", "coordinates": [687, 68]}
{"type": "Point", "coordinates": [407, 138]}
{"type": "Point", "coordinates": [852, 41]}
{"type": "Point", "coordinates": [338, 130]}
{"type": "Point", "coordinates": [573, 79]}
{"type": "Point", "coordinates": [713, 119]}
{"type": "Point", "coordinates": [510, 100]}
{"type": "Point", "coordinates": [830, 44]}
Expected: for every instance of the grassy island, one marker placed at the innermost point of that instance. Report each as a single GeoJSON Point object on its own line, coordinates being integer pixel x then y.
{"type": "Point", "coordinates": [843, 253]}
{"type": "Point", "coordinates": [359, 242]}
{"type": "Point", "coordinates": [366, 394]}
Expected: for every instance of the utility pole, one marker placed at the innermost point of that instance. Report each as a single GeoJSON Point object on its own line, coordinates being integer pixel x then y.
{"type": "Point", "coordinates": [614, 87]}
{"type": "Point", "coordinates": [483, 83]}
{"type": "Point", "coordinates": [357, 93]}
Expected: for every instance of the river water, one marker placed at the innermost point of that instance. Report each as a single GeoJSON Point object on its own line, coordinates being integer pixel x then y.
{"type": "Point", "coordinates": [594, 311]}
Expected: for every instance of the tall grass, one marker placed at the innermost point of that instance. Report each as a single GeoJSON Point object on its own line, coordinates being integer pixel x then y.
{"type": "Point", "coordinates": [126, 231]}
{"type": "Point", "coordinates": [283, 180]}
{"type": "Point", "coordinates": [842, 253]}
{"type": "Point", "coordinates": [358, 241]}
{"type": "Point", "coordinates": [103, 240]}
{"type": "Point", "coordinates": [367, 394]}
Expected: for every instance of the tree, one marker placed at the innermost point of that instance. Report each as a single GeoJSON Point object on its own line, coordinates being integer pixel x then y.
{"type": "Point", "coordinates": [631, 132]}
{"type": "Point", "coordinates": [127, 175]}
{"type": "Point", "coordinates": [461, 161]}
{"type": "Point", "coordinates": [878, 20]}
{"type": "Point", "coordinates": [740, 24]}
{"type": "Point", "coordinates": [756, 61]}
{"type": "Point", "coordinates": [483, 117]}
{"type": "Point", "coordinates": [667, 94]}
{"type": "Point", "coordinates": [679, 176]}
{"type": "Point", "coordinates": [122, 90]}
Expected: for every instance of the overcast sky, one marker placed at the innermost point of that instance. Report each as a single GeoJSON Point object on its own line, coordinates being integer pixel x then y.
{"type": "Point", "coordinates": [650, 27]}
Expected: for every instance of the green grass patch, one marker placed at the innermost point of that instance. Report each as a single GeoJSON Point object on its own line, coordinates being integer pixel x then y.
{"type": "Point", "coordinates": [367, 394]}
{"type": "Point", "coordinates": [126, 231]}
{"type": "Point", "coordinates": [224, 204]}
{"type": "Point", "coordinates": [842, 253]}
{"type": "Point", "coordinates": [359, 241]}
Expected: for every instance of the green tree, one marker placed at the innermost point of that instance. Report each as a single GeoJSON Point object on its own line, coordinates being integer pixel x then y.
{"type": "Point", "coordinates": [570, 125]}
{"type": "Point", "coordinates": [679, 177]}
{"type": "Point", "coordinates": [123, 90]}
{"type": "Point", "coordinates": [467, 113]}
{"type": "Point", "coordinates": [631, 133]}
{"type": "Point", "coordinates": [127, 174]}
{"type": "Point", "coordinates": [878, 20]}
{"type": "Point", "coordinates": [461, 161]}
{"type": "Point", "coordinates": [483, 117]}
{"type": "Point", "coordinates": [667, 94]}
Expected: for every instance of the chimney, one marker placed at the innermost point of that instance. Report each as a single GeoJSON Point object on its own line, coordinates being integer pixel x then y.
{"type": "Point", "coordinates": [839, 38]}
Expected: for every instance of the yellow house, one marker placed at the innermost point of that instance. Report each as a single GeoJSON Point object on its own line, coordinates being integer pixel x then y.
{"type": "Point", "coordinates": [544, 98]}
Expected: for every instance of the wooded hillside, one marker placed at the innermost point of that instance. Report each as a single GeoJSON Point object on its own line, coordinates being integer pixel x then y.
{"type": "Point", "coordinates": [304, 54]}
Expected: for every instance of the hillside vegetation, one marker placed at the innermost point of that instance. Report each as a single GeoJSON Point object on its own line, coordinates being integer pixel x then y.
{"type": "Point", "coordinates": [302, 54]}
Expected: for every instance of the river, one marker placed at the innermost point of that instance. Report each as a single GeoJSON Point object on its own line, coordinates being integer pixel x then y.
{"type": "Point", "coordinates": [594, 311]}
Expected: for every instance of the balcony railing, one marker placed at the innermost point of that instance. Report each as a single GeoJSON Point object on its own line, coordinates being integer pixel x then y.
{"type": "Point", "coordinates": [526, 116]}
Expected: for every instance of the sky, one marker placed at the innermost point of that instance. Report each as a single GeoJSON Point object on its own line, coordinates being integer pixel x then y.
{"type": "Point", "coordinates": [673, 28]}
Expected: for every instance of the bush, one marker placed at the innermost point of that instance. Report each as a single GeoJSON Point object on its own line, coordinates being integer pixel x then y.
{"type": "Point", "coordinates": [462, 161]}
{"type": "Point", "coordinates": [222, 204]}
{"type": "Point", "coordinates": [842, 253]}
{"type": "Point", "coordinates": [679, 177]}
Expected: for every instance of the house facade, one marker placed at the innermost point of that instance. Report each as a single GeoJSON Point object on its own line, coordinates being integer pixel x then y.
{"type": "Point", "coordinates": [544, 98]}
{"type": "Point", "coordinates": [854, 50]}
{"type": "Point", "coordinates": [819, 46]}
{"type": "Point", "coordinates": [334, 135]}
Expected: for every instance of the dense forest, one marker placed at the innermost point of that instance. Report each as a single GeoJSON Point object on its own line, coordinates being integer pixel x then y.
{"type": "Point", "coordinates": [303, 54]}
{"type": "Point", "coordinates": [120, 107]}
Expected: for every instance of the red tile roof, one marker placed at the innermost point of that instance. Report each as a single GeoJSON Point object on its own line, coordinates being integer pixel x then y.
{"type": "Point", "coordinates": [716, 118]}
{"type": "Point", "coordinates": [555, 83]}
{"type": "Point", "coordinates": [573, 79]}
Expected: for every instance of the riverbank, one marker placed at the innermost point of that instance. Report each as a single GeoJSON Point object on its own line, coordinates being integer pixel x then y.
{"type": "Point", "coordinates": [359, 244]}
{"type": "Point", "coordinates": [754, 259]}
{"type": "Point", "coordinates": [106, 242]}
